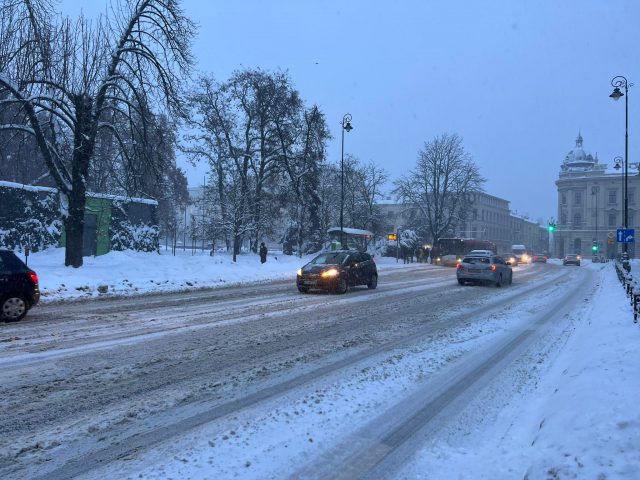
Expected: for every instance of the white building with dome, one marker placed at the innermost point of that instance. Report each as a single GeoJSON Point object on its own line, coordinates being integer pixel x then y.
{"type": "Point", "coordinates": [591, 204]}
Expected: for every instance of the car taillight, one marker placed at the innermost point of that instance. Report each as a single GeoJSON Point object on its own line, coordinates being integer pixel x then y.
{"type": "Point", "coordinates": [493, 267]}
{"type": "Point", "coordinates": [459, 265]}
{"type": "Point", "coordinates": [33, 276]}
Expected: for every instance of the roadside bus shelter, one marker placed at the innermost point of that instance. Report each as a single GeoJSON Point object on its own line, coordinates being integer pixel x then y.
{"type": "Point", "coordinates": [353, 238]}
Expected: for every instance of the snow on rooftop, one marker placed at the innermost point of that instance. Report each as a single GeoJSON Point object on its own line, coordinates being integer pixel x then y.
{"type": "Point", "coordinates": [37, 188]}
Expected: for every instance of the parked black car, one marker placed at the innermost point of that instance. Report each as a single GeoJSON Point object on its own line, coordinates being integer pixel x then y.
{"type": "Point", "coordinates": [337, 271]}
{"type": "Point", "coordinates": [18, 287]}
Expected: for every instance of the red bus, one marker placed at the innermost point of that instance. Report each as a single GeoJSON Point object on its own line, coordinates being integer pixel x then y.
{"type": "Point", "coordinates": [449, 251]}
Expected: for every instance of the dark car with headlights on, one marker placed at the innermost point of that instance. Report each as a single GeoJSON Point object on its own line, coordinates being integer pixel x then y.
{"type": "Point", "coordinates": [19, 289]}
{"type": "Point", "coordinates": [488, 269]}
{"type": "Point", "coordinates": [337, 271]}
{"type": "Point", "coordinates": [510, 259]}
{"type": "Point", "coordinates": [571, 260]}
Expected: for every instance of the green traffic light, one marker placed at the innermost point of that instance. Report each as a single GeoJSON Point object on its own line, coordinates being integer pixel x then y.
{"type": "Point", "coordinates": [551, 228]}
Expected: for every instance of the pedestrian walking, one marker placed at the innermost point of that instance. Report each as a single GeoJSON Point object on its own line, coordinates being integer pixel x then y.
{"type": "Point", "coordinates": [263, 253]}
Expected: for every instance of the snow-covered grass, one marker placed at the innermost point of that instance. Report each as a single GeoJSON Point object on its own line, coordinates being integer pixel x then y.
{"type": "Point", "coordinates": [133, 273]}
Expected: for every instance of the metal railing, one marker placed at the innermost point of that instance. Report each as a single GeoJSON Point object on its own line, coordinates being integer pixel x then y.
{"type": "Point", "coordinates": [632, 288]}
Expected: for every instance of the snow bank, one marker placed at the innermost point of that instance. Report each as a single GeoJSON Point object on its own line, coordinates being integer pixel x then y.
{"type": "Point", "coordinates": [135, 273]}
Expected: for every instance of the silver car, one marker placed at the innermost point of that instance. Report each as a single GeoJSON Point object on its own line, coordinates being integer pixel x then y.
{"type": "Point", "coordinates": [489, 269]}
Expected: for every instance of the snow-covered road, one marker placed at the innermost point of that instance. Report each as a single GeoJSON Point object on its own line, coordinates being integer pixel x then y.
{"type": "Point", "coordinates": [262, 382]}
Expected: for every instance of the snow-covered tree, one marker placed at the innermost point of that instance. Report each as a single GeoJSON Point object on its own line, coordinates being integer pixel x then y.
{"type": "Point", "coordinates": [69, 79]}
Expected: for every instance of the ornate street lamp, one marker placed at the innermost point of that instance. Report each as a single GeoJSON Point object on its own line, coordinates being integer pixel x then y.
{"type": "Point", "coordinates": [346, 125]}
{"type": "Point", "coordinates": [617, 83]}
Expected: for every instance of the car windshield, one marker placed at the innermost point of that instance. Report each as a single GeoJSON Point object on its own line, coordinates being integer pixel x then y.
{"type": "Point", "coordinates": [331, 258]}
{"type": "Point", "coordinates": [572, 256]}
{"type": "Point", "coordinates": [476, 260]}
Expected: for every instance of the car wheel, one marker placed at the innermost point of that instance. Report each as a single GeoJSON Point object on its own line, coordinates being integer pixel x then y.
{"type": "Point", "coordinates": [303, 289]}
{"type": "Point", "coordinates": [460, 281]}
{"type": "Point", "coordinates": [499, 281]}
{"type": "Point", "coordinates": [342, 286]}
{"type": "Point", "coordinates": [13, 308]}
{"type": "Point", "coordinates": [373, 282]}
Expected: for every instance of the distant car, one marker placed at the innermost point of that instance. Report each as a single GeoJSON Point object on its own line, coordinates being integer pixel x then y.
{"type": "Point", "coordinates": [571, 259]}
{"type": "Point", "coordinates": [539, 258]}
{"type": "Point", "coordinates": [19, 290]}
{"type": "Point", "coordinates": [510, 259]}
{"type": "Point", "coordinates": [480, 252]}
{"type": "Point", "coordinates": [448, 260]}
{"type": "Point", "coordinates": [490, 269]}
{"type": "Point", "coordinates": [596, 259]}
{"type": "Point", "coordinates": [337, 271]}
{"type": "Point", "coordinates": [523, 258]}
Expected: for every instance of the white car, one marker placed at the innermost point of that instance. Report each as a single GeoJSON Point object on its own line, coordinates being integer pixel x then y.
{"type": "Point", "coordinates": [480, 253]}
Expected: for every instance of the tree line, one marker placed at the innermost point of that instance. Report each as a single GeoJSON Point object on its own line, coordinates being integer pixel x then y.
{"type": "Point", "coordinates": [97, 106]}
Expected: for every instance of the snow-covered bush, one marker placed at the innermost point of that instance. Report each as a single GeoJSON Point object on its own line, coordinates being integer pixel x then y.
{"type": "Point", "coordinates": [29, 217]}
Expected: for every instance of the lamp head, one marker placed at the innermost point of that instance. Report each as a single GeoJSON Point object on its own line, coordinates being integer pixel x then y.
{"type": "Point", "coordinates": [616, 94]}
{"type": "Point", "coordinates": [347, 126]}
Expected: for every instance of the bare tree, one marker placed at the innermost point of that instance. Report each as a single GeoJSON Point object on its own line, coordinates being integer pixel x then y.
{"type": "Point", "coordinates": [70, 79]}
{"type": "Point", "coordinates": [254, 130]}
{"type": "Point", "coordinates": [439, 188]}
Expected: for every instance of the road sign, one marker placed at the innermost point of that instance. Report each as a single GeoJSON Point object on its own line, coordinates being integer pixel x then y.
{"type": "Point", "coordinates": [392, 236]}
{"type": "Point", "coordinates": [611, 235]}
{"type": "Point", "coordinates": [610, 241]}
{"type": "Point", "coordinates": [625, 235]}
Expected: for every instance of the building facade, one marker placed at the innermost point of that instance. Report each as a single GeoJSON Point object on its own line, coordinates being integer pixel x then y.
{"type": "Point", "coordinates": [591, 205]}
{"type": "Point", "coordinates": [489, 218]}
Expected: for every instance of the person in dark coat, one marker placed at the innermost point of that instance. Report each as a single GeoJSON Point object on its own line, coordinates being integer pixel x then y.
{"type": "Point", "coordinates": [263, 253]}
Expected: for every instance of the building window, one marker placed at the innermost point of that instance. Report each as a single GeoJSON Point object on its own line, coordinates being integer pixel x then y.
{"type": "Point", "coordinates": [475, 214]}
{"type": "Point", "coordinates": [630, 220]}
{"type": "Point", "coordinates": [631, 197]}
{"type": "Point", "coordinates": [578, 196]}
{"type": "Point", "coordinates": [612, 219]}
{"type": "Point", "coordinates": [563, 198]}
{"type": "Point", "coordinates": [577, 220]}
{"type": "Point", "coordinates": [563, 219]}
{"type": "Point", "coordinates": [612, 197]}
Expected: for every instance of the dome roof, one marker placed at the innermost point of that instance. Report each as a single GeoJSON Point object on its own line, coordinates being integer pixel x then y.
{"type": "Point", "coordinates": [578, 157]}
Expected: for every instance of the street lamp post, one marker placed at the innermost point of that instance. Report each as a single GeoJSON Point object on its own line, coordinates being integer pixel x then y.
{"type": "Point", "coordinates": [346, 125]}
{"type": "Point", "coordinates": [594, 193]}
{"type": "Point", "coordinates": [617, 83]}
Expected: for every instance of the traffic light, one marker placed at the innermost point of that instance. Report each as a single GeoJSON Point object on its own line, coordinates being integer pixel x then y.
{"type": "Point", "coordinates": [594, 246]}
{"type": "Point", "coordinates": [551, 227]}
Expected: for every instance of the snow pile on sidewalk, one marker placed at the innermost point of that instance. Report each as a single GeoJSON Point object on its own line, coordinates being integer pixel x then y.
{"type": "Point", "coordinates": [135, 273]}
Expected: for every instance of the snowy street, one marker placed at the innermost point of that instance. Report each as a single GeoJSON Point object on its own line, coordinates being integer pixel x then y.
{"type": "Point", "coordinates": [260, 381]}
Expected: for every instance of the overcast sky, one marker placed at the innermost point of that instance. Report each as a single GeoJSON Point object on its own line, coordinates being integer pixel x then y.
{"type": "Point", "coordinates": [516, 80]}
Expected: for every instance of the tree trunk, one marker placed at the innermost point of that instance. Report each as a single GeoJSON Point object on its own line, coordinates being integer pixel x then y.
{"type": "Point", "coordinates": [74, 228]}
{"type": "Point", "coordinates": [84, 141]}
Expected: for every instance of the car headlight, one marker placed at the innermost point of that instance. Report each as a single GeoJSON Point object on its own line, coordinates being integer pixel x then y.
{"type": "Point", "coordinates": [299, 272]}
{"type": "Point", "coordinates": [330, 273]}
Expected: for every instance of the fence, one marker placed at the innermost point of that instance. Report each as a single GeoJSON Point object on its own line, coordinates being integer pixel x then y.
{"type": "Point", "coordinates": [632, 287]}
